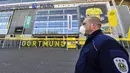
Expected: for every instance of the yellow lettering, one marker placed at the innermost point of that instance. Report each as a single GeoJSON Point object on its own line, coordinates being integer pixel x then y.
{"type": "Point", "coordinates": [29, 43]}
{"type": "Point", "coordinates": [45, 43]}
{"type": "Point", "coordinates": [63, 43]}
{"type": "Point", "coordinates": [34, 44]}
{"type": "Point", "coordinates": [23, 43]}
{"type": "Point", "coordinates": [39, 43]}
{"type": "Point", "coordinates": [57, 43]}
{"type": "Point", "coordinates": [51, 43]}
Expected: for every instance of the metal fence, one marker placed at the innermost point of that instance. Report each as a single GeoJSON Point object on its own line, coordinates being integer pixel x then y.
{"type": "Point", "coordinates": [48, 42]}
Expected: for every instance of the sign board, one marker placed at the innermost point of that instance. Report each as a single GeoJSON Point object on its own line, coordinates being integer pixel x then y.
{"type": "Point", "coordinates": [27, 6]}
{"type": "Point", "coordinates": [19, 30]}
{"type": "Point", "coordinates": [69, 21]}
{"type": "Point", "coordinates": [112, 18]}
{"type": "Point", "coordinates": [27, 21]}
{"type": "Point", "coordinates": [44, 6]}
{"type": "Point", "coordinates": [98, 10]}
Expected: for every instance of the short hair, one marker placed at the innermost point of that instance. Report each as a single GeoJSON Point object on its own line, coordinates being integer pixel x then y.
{"type": "Point", "coordinates": [94, 20]}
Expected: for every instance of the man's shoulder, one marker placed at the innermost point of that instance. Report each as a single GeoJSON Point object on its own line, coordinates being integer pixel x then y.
{"type": "Point", "coordinates": [103, 37]}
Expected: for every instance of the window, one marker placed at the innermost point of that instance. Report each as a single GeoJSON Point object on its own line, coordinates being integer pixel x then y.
{"type": "Point", "coordinates": [40, 25]}
{"type": "Point", "coordinates": [56, 12]}
{"type": "Point", "coordinates": [59, 23]}
{"type": "Point", "coordinates": [41, 18]}
{"type": "Point", "coordinates": [75, 17]}
{"type": "Point", "coordinates": [51, 23]}
{"type": "Point", "coordinates": [14, 1]}
{"type": "Point", "coordinates": [28, 0]}
{"type": "Point", "coordinates": [43, 0]}
{"type": "Point", "coordinates": [55, 18]}
{"type": "Point", "coordinates": [4, 17]}
{"type": "Point", "coordinates": [3, 31]}
{"type": "Point", "coordinates": [4, 1]}
{"type": "Point", "coordinates": [55, 22]}
{"type": "Point", "coordinates": [42, 12]}
{"type": "Point", "coordinates": [75, 23]}
{"type": "Point", "coordinates": [70, 11]}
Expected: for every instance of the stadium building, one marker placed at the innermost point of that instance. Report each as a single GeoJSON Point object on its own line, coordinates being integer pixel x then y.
{"type": "Point", "coordinates": [49, 18]}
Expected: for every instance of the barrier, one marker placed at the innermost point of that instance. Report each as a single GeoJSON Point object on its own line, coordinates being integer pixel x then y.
{"type": "Point", "coordinates": [45, 42]}
{"type": "Point", "coordinates": [10, 44]}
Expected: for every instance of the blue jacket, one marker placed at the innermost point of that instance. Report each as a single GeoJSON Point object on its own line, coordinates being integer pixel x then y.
{"type": "Point", "coordinates": [102, 54]}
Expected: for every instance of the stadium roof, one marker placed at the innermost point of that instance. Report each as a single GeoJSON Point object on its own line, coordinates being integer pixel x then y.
{"type": "Point", "coordinates": [125, 2]}
{"type": "Point", "coordinates": [21, 1]}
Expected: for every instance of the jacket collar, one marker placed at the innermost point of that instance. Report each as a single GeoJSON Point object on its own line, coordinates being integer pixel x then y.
{"type": "Point", "coordinates": [94, 34]}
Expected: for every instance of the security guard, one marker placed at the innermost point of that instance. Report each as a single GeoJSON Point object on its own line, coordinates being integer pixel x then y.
{"type": "Point", "coordinates": [100, 53]}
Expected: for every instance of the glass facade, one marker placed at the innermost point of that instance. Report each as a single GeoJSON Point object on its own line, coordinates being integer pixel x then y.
{"type": "Point", "coordinates": [4, 21]}
{"type": "Point", "coordinates": [55, 21]}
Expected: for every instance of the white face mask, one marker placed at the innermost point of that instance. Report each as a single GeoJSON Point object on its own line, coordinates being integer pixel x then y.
{"type": "Point", "coordinates": [82, 30]}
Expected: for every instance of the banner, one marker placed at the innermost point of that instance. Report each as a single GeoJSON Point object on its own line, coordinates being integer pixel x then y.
{"type": "Point", "coordinates": [98, 10]}
{"type": "Point", "coordinates": [27, 21]}
{"type": "Point", "coordinates": [112, 18]}
{"type": "Point", "coordinates": [69, 20]}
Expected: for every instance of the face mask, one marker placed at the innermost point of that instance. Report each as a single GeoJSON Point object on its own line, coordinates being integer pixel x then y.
{"type": "Point", "coordinates": [82, 30]}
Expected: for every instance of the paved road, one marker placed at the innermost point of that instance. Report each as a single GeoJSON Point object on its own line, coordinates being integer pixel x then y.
{"type": "Point", "coordinates": [37, 60]}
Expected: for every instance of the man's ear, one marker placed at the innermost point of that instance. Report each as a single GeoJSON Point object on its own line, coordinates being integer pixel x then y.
{"type": "Point", "coordinates": [94, 26]}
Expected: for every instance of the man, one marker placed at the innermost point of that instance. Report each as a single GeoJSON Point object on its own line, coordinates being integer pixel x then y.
{"type": "Point", "coordinates": [100, 53]}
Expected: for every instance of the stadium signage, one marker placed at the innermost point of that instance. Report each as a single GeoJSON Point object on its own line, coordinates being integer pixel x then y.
{"type": "Point", "coordinates": [26, 6]}
{"type": "Point", "coordinates": [22, 7]}
{"type": "Point", "coordinates": [43, 43]}
{"type": "Point", "coordinates": [12, 7]}
{"type": "Point", "coordinates": [44, 6]}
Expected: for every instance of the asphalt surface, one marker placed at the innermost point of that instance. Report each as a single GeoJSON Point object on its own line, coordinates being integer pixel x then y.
{"type": "Point", "coordinates": [38, 60]}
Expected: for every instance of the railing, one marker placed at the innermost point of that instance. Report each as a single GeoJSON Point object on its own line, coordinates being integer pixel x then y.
{"type": "Point", "coordinates": [46, 42]}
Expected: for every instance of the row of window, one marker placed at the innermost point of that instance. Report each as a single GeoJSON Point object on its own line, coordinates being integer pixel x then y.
{"type": "Point", "coordinates": [3, 23]}
{"type": "Point", "coordinates": [50, 12]}
{"type": "Point", "coordinates": [51, 26]}
{"type": "Point", "coordinates": [3, 31]}
{"type": "Point", "coordinates": [63, 30]}
{"type": "Point", "coordinates": [4, 19]}
{"type": "Point", "coordinates": [55, 21]}
{"type": "Point", "coordinates": [3, 27]}
{"type": "Point", "coordinates": [52, 29]}
{"type": "Point", "coordinates": [5, 14]}
{"type": "Point", "coordinates": [54, 18]}
{"type": "Point", "coordinates": [55, 32]}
